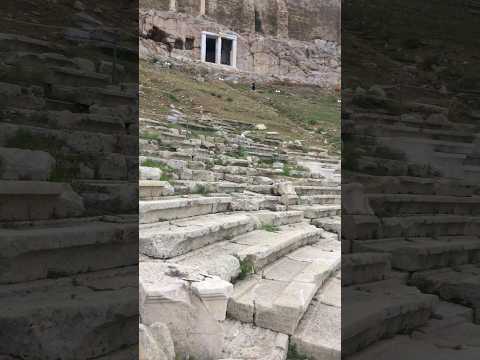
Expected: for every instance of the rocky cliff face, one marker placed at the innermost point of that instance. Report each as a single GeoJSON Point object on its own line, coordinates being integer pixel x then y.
{"type": "Point", "coordinates": [296, 41]}
{"type": "Point", "coordinates": [297, 19]}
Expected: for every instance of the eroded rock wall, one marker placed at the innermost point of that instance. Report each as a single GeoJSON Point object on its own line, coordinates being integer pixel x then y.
{"type": "Point", "coordinates": [314, 62]}
{"type": "Point", "coordinates": [296, 19]}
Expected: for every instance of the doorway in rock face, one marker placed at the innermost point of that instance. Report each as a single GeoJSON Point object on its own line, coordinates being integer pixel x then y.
{"type": "Point", "coordinates": [227, 48]}
{"type": "Point", "coordinates": [211, 49]}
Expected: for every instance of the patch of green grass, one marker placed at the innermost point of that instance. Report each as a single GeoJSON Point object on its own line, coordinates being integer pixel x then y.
{"type": "Point", "coordinates": [293, 353]}
{"type": "Point", "coordinates": [148, 135]}
{"type": "Point", "coordinates": [287, 170]}
{"type": "Point", "coordinates": [270, 228]}
{"type": "Point", "coordinates": [172, 97]}
{"type": "Point", "coordinates": [246, 268]}
{"type": "Point", "coordinates": [240, 153]}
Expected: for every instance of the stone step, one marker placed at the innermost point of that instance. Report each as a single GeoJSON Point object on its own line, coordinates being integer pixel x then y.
{"type": "Point", "coordinates": [235, 170]}
{"type": "Point", "coordinates": [107, 196]}
{"type": "Point", "coordinates": [38, 200]}
{"type": "Point", "coordinates": [90, 95]}
{"type": "Point", "coordinates": [170, 239]}
{"type": "Point", "coordinates": [317, 190]}
{"type": "Point", "coordinates": [63, 249]}
{"type": "Point", "coordinates": [361, 268]}
{"type": "Point", "coordinates": [382, 309]}
{"type": "Point", "coordinates": [405, 204]}
{"type": "Point", "coordinates": [18, 43]}
{"type": "Point", "coordinates": [318, 211]}
{"type": "Point", "coordinates": [411, 120]}
{"type": "Point", "coordinates": [460, 284]}
{"type": "Point", "coordinates": [250, 252]}
{"type": "Point", "coordinates": [319, 200]}
{"type": "Point", "coordinates": [246, 341]}
{"type": "Point", "coordinates": [179, 208]}
{"type": "Point", "coordinates": [318, 336]}
{"type": "Point", "coordinates": [429, 225]}
{"type": "Point", "coordinates": [392, 167]}
{"type": "Point", "coordinates": [448, 135]}
{"type": "Point", "coordinates": [416, 185]}
{"type": "Point", "coordinates": [404, 347]}
{"type": "Point", "coordinates": [73, 142]}
{"type": "Point", "coordinates": [415, 254]}
{"type": "Point", "coordinates": [88, 308]}
{"type": "Point", "coordinates": [92, 122]}
{"type": "Point", "coordinates": [76, 77]}
{"type": "Point", "coordinates": [185, 187]}
{"type": "Point", "coordinates": [331, 224]}
{"type": "Point", "coordinates": [277, 298]}
{"type": "Point", "coordinates": [154, 189]}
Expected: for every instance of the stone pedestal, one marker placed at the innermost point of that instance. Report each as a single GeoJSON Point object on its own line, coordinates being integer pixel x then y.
{"type": "Point", "coordinates": [214, 293]}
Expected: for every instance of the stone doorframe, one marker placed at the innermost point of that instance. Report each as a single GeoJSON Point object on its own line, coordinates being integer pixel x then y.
{"type": "Point", "coordinates": [218, 47]}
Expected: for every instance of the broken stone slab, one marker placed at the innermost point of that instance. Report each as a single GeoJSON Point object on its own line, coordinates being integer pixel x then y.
{"type": "Point", "coordinates": [458, 284]}
{"type": "Point", "coordinates": [18, 164]}
{"type": "Point", "coordinates": [363, 268]}
{"type": "Point", "coordinates": [245, 341]}
{"type": "Point", "coordinates": [37, 200]}
{"type": "Point", "coordinates": [64, 249]}
{"type": "Point", "coordinates": [172, 209]}
{"type": "Point", "coordinates": [381, 309]}
{"type": "Point", "coordinates": [166, 296]}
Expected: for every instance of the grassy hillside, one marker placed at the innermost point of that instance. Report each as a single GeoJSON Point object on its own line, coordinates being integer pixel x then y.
{"type": "Point", "coordinates": [296, 112]}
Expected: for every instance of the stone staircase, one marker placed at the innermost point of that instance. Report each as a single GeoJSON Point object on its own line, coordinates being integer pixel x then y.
{"type": "Point", "coordinates": [68, 169]}
{"type": "Point", "coordinates": [257, 231]}
{"type": "Point", "coordinates": [411, 249]}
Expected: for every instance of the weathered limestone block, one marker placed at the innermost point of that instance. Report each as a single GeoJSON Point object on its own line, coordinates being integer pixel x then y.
{"type": "Point", "coordinates": [214, 293]}
{"type": "Point", "coordinates": [153, 189]}
{"type": "Point", "coordinates": [166, 296]}
{"type": "Point", "coordinates": [354, 201]}
{"type": "Point", "coordinates": [36, 200]}
{"type": "Point", "coordinates": [18, 164]}
{"type": "Point", "coordinates": [149, 173]}
{"type": "Point", "coordinates": [287, 192]}
{"type": "Point", "coordinates": [155, 342]}
{"type": "Point", "coordinates": [114, 166]}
